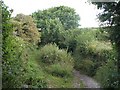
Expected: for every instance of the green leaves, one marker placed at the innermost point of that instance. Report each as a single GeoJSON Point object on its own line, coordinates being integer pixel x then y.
{"type": "Point", "coordinates": [25, 28]}
{"type": "Point", "coordinates": [51, 54]}
{"type": "Point", "coordinates": [51, 33]}
{"type": "Point", "coordinates": [111, 16]}
{"type": "Point", "coordinates": [67, 16]}
{"type": "Point", "coordinates": [56, 61]}
{"type": "Point", "coordinates": [53, 21]}
{"type": "Point", "coordinates": [107, 75]}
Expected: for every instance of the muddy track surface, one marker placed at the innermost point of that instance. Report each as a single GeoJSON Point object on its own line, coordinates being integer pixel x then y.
{"type": "Point", "coordinates": [86, 80]}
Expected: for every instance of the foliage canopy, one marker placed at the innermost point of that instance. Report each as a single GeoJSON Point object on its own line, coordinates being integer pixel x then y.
{"type": "Point", "coordinates": [25, 28]}
{"type": "Point", "coordinates": [66, 15]}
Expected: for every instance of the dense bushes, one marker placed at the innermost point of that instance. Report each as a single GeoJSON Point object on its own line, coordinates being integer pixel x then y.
{"type": "Point", "coordinates": [25, 66]}
{"type": "Point", "coordinates": [107, 75]}
{"type": "Point", "coordinates": [83, 39]}
{"type": "Point", "coordinates": [51, 54]}
{"type": "Point", "coordinates": [100, 50]}
{"type": "Point", "coordinates": [16, 57]}
{"type": "Point", "coordinates": [88, 46]}
{"type": "Point", "coordinates": [86, 66]}
{"type": "Point", "coordinates": [34, 73]}
{"type": "Point", "coordinates": [25, 28]}
{"type": "Point", "coordinates": [13, 65]}
{"type": "Point", "coordinates": [17, 65]}
{"type": "Point", "coordinates": [68, 40]}
{"type": "Point", "coordinates": [54, 20]}
{"type": "Point", "coordinates": [66, 15]}
{"type": "Point", "coordinates": [57, 65]}
{"type": "Point", "coordinates": [56, 60]}
{"type": "Point", "coordinates": [20, 67]}
{"type": "Point", "coordinates": [60, 70]}
{"type": "Point", "coordinates": [103, 34]}
{"type": "Point", "coordinates": [94, 55]}
{"type": "Point", "coordinates": [51, 32]}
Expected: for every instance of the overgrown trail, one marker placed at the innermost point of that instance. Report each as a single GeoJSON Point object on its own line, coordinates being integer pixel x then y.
{"type": "Point", "coordinates": [88, 82]}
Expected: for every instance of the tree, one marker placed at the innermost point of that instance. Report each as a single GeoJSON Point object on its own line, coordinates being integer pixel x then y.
{"type": "Point", "coordinates": [111, 17]}
{"type": "Point", "coordinates": [52, 31]}
{"type": "Point", "coordinates": [25, 28]}
{"type": "Point", "coordinates": [66, 15]}
{"type": "Point", "coordinates": [55, 20]}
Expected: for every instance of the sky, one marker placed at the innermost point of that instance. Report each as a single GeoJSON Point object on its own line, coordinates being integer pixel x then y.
{"type": "Point", "coordinates": [86, 11]}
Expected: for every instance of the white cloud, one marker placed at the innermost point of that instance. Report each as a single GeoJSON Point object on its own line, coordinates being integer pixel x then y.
{"type": "Point", "coordinates": [87, 12]}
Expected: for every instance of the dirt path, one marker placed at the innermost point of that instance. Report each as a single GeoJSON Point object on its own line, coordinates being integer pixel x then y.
{"type": "Point", "coordinates": [87, 81]}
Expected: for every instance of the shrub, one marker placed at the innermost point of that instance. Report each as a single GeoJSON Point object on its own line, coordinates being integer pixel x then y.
{"type": "Point", "coordinates": [83, 40]}
{"type": "Point", "coordinates": [17, 66]}
{"type": "Point", "coordinates": [88, 46]}
{"type": "Point", "coordinates": [13, 65]}
{"type": "Point", "coordinates": [86, 41]}
{"type": "Point", "coordinates": [52, 32]}
{"type": "Point", "coordinates": [25, 28]}
{"type": "Point", "coordinates": [60, 69]}
{"type": "Point", "coordinates": [86, 66]}
{"type": "Point", "coordinates": [52, 54]}
{"type": "Point", "coordinates": [16, 56]}
{"type": "Point", "coordinates": [102, 34]}
{"type": "Point", "coordinates": [100, 50]}
{"type": "Point", "coordinates": [68, 40]}
{"type": "Point", "coordinates": [66, 15]}
{"type": "Point", "coordinates": [107, 75]}
{"type": "Point", "coordinates": [36, 82]}
{"type": "Point", "coordinates": [34, 76]}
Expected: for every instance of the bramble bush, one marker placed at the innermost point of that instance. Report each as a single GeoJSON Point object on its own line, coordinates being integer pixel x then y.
{"type": "Point", "coordinates": [56, 60]}
{"type": "Point", "coordinates": [51, 54]}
